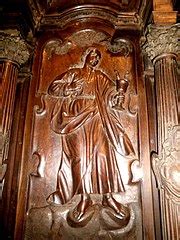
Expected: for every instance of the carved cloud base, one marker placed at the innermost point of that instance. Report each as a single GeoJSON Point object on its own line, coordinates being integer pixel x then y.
{"type": "Point", "coordinates": [51, 222]}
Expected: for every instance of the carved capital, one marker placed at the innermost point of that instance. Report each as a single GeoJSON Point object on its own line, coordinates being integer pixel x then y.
{"type": "Point", "coordinates": [13, 47]}
{"type": "Point", "coordinates": [160, 40]}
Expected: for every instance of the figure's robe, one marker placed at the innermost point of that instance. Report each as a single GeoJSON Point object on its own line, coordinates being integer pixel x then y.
{"type": "Point", "coordinates": [93, 139]}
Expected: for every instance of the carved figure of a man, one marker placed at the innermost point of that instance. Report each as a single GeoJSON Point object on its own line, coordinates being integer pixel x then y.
{"type": "Point", "coordinates": [93, 139]}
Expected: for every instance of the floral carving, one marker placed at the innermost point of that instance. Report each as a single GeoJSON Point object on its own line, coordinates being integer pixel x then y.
{"type": "Point", "coordinates": [161, 39]}
{"type": "Point", "coordinates": [13, 47]}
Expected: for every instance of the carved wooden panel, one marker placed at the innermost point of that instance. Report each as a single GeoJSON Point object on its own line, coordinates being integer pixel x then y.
{"type": "Point", "coordinates": [85, 136]}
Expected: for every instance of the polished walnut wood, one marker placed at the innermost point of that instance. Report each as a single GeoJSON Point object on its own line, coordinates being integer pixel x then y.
{"type": "Point", "coordinates": [163, 12]}
{"type": "Point", "coordinates": [13, 53]}
{"type": "Point", "coordinates": [11, 182]}
{"type": "Point", "coordinates": [165, 162]}
{"type": "Point", "coordinates": [84, 130]}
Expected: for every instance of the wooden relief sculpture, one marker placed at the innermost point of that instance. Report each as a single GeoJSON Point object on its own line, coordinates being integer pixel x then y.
{"type": "Point", "coordinates": [93, 139]}
{"type": "Point", "coordinates": [84, 167]}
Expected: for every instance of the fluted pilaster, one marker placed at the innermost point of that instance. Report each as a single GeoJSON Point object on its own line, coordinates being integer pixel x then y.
{"type": "Point", "coordinates": [13, 54]}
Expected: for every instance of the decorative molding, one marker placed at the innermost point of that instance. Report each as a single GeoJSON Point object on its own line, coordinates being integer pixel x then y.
{"type": "Point", "coordinates": [104, 14]}
{"type": "Point", "coordinates": [13, 47]}
{"type": "Point", "coordinates": [161, 39]}
{"type": "Point", "coordinates": [118, 13]}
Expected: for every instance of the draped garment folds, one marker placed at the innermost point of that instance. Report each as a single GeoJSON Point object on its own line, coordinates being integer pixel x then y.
{"type": "Point", "coordinates": [93, 139]}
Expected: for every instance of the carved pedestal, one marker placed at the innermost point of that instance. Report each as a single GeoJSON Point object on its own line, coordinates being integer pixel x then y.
{"type": "Point", "coordinates": [162, 47]}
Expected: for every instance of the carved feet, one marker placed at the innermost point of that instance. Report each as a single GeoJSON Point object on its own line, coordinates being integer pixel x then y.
{"type": "Point", "coordinates": [83, 212]}
{"type": "Point", "coordinates": [121, 213]}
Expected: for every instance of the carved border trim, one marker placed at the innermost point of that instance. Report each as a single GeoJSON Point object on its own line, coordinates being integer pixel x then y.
{"type": "Point", "coordinates": [113, 17]}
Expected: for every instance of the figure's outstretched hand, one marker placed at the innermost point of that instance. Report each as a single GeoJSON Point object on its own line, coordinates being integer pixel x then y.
{"type": "Point", "coordinates": [65, 85]}
{"type": "Point", "coordinates": [73, 87]}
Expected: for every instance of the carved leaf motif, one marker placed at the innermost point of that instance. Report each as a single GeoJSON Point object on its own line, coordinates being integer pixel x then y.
{"type": "Point", "coordinates": [163, 39]}
{"type": "Point", "coordinates": [13, 47]}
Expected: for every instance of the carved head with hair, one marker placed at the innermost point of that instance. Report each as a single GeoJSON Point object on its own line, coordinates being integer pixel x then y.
{"type": "Point", "coordinates": [93, 57]}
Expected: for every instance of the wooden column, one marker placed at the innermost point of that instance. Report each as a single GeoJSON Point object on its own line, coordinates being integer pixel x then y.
{"type": "Point", "coordinates": [13, 53]}
{"type": "Point", "coordinates": [161, 47]}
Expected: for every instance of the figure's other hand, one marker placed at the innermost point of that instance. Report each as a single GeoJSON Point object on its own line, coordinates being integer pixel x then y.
{"type": "Point", "coordinates": [68, 84]}
{"type": "Point", "coordinates": [73, 89]}
{"type": "Point", "coordinates": [55, 88]}
{"type": "Point", "coordinates": [115, 99]}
